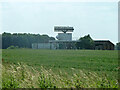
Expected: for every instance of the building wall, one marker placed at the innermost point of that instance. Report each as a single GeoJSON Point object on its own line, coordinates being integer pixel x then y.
{"type": "Point", "coordinates": [41, 46]}
{"type": "Point", "coordinates": [34, 45]}
{"type": "Point", "coordinates": [44, 45]}
{"type": "Point", "coordinates": [64, 36]}
{"type": "Point", "coordinates": [54, 46]}
{"type": "Point", "coordinates": [104, 45]}
{"type": "Point", "coordinates": [71, 45]}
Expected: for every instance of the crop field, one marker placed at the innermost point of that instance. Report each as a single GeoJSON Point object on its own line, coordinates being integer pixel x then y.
{"type": "Point", "coordinates": [28, 68]}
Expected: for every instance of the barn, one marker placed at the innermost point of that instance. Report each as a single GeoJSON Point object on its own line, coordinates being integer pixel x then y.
{"type": "Point", "coordinates": [103, 45]}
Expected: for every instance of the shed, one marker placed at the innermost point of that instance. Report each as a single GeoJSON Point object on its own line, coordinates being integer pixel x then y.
{"type": "Point", "coordinates": [103, 45]}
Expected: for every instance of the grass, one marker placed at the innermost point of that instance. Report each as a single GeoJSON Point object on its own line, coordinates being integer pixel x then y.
{"type": "Point", "coordinates": [60, 68]}
{"type": "Point", "coordinates": [23, 76]}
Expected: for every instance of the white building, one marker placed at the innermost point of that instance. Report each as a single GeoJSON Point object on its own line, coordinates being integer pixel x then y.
{"type": "Point", "coordinates": [64, 40]}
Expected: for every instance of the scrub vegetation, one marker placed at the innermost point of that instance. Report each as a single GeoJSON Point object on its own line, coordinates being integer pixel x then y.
{"type": "Point", "coordinates": [28, 68]}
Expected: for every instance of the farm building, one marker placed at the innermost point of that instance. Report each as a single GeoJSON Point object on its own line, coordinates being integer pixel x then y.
{"type": "Point", "coordinates": [65, 41]}
{"type": "Point", "coordinates": [40, 45]}
{"type": "Point", "coordinates": [103, 45]}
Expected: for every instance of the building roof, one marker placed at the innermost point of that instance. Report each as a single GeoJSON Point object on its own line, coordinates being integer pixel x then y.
{"type": "Point", "coordinates": [103, 41]}
{"type": "Point", "coordinates": [63, 29]}
{"type": "Point", "coordinates": [63, 41]}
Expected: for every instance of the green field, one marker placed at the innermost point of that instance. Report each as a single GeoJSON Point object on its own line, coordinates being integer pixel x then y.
{"type": "Point", "coordinates": [67, 63]}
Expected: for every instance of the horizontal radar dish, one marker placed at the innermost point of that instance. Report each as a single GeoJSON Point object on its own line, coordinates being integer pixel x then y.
{"type": "Point", "coordinates": [63, 29]}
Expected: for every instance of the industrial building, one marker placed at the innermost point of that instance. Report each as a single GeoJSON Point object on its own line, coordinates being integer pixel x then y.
{"type": "Point", "coordinates": [64, 41]}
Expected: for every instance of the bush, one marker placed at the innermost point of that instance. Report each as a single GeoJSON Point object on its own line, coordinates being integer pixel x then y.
{"type": "Point", "coordinates": [13, 47]}
{"type": "Point", "coordinates": [9, 82]}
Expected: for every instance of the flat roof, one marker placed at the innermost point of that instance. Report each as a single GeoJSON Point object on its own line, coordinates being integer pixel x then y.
{"type": "Point", "coordinates": [63, 29]}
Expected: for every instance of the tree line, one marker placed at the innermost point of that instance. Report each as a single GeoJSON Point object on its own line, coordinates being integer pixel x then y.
{"type": "Point", "coordinates": [23, 40]}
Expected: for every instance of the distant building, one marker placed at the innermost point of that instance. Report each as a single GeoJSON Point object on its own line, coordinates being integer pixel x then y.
{"type": "Point", "coordinates": [65, 41]}
{"type": "Point", "coordinates": [63, 44]}
{"type": "Point", "coordinates": [117, 47]}
{"type": "Point", "coordinates": [103, 45]}
{"type": "Point", "coordinates": [41, 46]}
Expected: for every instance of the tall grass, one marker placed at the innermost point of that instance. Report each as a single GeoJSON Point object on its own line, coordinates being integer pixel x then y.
{"type": "Point", "coordinates": [0, 74]}
{"type": "Point", "coordinates": [23, 76]}
{"type": "Point", "coordinates": [0, 69]}
{"type": "Point", "coordinates": [99, 61]}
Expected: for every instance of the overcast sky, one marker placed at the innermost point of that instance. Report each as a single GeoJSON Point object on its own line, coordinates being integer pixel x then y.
{"type": "Point", "coordinates": [99, 19]}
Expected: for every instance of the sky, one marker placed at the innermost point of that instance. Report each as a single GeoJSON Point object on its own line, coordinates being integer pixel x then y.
{"type": "Point", "coordinates": [99, 19]}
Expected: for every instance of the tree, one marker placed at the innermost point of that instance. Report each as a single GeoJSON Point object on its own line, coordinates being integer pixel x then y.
{"type": "Point", "coordinates": [23, 40]}
{"type": "Point", "coordinates": [118, 46]}
{"type": "Point", "coordinates": [85, 42]}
